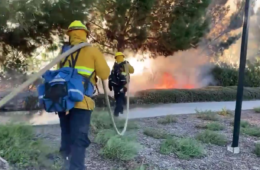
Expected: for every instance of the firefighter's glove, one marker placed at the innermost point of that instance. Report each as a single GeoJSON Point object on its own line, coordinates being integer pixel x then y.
{"type": "Point", "coordinates": [110, 86]}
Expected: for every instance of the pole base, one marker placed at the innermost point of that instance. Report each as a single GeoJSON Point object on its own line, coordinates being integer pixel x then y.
{"type": "Point", "coordinates": [234, 150]}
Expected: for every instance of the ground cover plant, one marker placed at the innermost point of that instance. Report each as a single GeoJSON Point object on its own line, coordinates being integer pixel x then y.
{"type": "Point", "coordinates": [207, 115]}
{"type": "Point", "coordinates": [214, 126]}
{"type": "Point", "coordinates": [257, 149]}
{"type": "Point", "coordinates": [257, 109]}
{"type": "Point", "coordinates": [151, 145]}
{"type": "Point", "coordinates": [120, 148]}
{"type": "Point", "coordinates": [23, 151]}
{"type": "Point", "coordinates": [184, 148]}
{"type": "Point", "coordinates": [156, 133]}
{"type": "Point", "coordinates": [211, 137]}
{"type": "Point", "coordinates": [167, 119]}
{"type": "Point", "coordinates": [249, 129]}
{"type": "Point", "coordinates": [115, 147]}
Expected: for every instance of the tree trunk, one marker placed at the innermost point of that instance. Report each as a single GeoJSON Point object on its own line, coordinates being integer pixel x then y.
{"type": "Point", "coordinates": [120, 43]}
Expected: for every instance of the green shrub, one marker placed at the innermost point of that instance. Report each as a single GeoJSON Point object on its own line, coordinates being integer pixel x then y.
{"type": "Point", "coordinates": [210, 137]}
{"type": "Point", "coordinates": [184, 148]}
{"type": "Point", "coordinates": [120, 148]}
{"type": "Point", "coordinates": [22, 150]}
{"type": "Point", "coordinates": [137, 167]}
{"type": "Point", "coordinates": [214, 126]}
{"type": "Point", "coordinates": [102, 120]}
{"type": "Point", "coordinates": [167, 119]}
{"type": "Point", "coordinates": [248, 129]}
{"type": "Point", "coordinates": [207, 115]}
{"type": "Point", "coordinates": [227, 75]}
{"type": "Point", "coordinates": [104, 135]}
{"type": "Point", "coordinates": [244, 124]}
{"type": "Point", "coordinates": [257, 109]}
{"type": "Point", "coordinates": [155, 133]}
{"type": "Point", "coordinates": [251, 131]}
{"type": "Point", "coordinates": [257, 149]}
{"type": "Point", "coordinates": [141, 167]}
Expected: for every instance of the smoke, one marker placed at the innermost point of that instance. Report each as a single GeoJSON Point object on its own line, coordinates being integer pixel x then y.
{"type": "Point", "coordinates": [185, 69]}
{"type": "Point", "coordinates": [231, 55]}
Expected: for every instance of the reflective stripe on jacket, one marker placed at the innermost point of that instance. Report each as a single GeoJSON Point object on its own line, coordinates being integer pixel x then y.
{"type": "Point", "coordinates": [85, 71]}
{"type": "Point", "coordinates": [90, 59]}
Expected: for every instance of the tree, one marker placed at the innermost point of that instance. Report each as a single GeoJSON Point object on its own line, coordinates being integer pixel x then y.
{"type": "Point", "coordinates": [158, 26]}
{"type": "Point", "coordinates": [225, 23]}
{"type": "Point", "coordinates": [26, 25]}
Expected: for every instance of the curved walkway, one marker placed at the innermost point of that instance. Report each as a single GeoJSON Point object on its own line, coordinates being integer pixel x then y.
{"type": "Point", "coordinates": [162, 110]}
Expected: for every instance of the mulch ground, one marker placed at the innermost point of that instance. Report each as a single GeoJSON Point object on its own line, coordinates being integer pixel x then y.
{"type": "Point", "coordinates": [217, 157]}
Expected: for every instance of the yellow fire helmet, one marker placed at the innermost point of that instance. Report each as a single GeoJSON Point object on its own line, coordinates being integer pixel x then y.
{"type": "Point", "coordinates": [119, 54]}
{"type": "Point", "coordinates": [77, 25]}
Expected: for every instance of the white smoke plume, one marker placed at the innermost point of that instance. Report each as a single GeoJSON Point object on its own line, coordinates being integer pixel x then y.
{"type": "Point", "coordinates": [185, 69]}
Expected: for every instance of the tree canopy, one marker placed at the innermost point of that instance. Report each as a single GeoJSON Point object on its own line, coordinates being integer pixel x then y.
{"type": "Point", "coordinates": [160, 26]}
{"type": "Point", "coordinates": [28, 24]}
{"type": "Point", "coordinates": [157, 25]}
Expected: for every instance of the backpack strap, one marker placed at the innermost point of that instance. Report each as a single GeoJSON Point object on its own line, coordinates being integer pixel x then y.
{"type": "Point", "coordinates": [73, 61]}
{"type": "Point", "coordinates": [62, 63]}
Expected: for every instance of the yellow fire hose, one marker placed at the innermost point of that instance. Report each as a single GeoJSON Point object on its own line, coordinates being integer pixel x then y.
{"type": "Point", "coordinates": [54, 62]}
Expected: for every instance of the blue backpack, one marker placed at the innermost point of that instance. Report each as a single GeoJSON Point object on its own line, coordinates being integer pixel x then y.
{"type": "Point", "coordinates": [64, 87]}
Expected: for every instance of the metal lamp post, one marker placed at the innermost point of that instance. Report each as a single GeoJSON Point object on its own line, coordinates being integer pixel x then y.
{"type": "Point", "coordinates": [243, 54]}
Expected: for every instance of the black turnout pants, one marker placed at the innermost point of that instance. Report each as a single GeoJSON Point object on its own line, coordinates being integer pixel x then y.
{"type": "Point", "coordinates": [74, 136]}
{"type": "Point", "coordinates": [119, 95]}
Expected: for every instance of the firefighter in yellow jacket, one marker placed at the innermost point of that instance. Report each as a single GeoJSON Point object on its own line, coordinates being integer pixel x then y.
{"type": "Point", "coordinates": [75, 124]}
{"type": "Point", "coordinates": [117, 81]}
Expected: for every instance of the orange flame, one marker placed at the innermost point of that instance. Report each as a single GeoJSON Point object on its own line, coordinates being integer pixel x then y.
{"type": "Point", "coordinates": [168, 82]}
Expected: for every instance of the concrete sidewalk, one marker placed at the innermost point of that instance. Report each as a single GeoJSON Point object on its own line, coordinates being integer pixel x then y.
{"type": "Point", "coordinates": [162, 110]}
{"type": "Point", "coordinates": [187, 108]}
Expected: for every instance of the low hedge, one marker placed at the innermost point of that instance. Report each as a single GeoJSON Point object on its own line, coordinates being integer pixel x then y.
{"type": "Point", "coordinates": [208, 94]}
{"type": "Point", "coordinates": [163, 96]}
